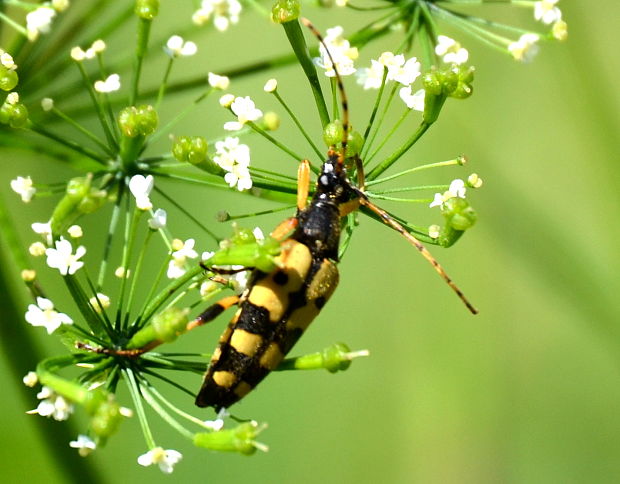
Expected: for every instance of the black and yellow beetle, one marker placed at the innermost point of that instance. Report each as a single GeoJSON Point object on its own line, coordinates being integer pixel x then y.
{"type": "Point", "coordinates": [277, 307]}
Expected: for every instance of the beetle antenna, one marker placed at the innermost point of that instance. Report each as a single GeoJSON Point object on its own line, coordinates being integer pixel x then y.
{"type": "Point", "coordinates": [389, 220]}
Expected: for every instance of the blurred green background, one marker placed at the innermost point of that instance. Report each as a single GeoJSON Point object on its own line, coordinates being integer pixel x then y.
{"type": "Point", "coordinates": [526, 392]}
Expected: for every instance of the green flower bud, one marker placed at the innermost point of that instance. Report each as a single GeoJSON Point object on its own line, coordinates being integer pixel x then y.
{"type": "Point", "coordinates": [147, 9]}
{"type": "Point", "coordinates": [333, 133]}
{"type": "Point", "coordinates": [8, 79]}
{"type": "Point", "coordinates": [271, 120]}
{"type": "Point", "coordinates": [285, 11]}
{"type": "Point", "coordinates": [449, 78]}
{"type": "Point", "coordinates": [170, 323]}
{"type": "Point", "coordinates": [243, 249]}
{"type": "Point", "coordinates": [432, 82]}
{"type": "Point", "coordinates": [335, 357]}
{"type": "Point", "coordinates": [464, 88]}
{"type": "Point", "coordinates": [15, 115]}
{"type": "Point", "coordinates": [190, 149]}
{"type": "Point", "coordinates": [138, 120]}
{"type": "Point", "coordinates": [106, 418]}
{"type": "Point", "coordinates": [355, 143]}
{"type": "Point", "coordinates": [459, 214]}
{"type": "Point", "coordinates": [93, 201]}
{"type": "Point", "coordinates": [78, 188]}
{"type": "Point", "coordinates": [240, 439]}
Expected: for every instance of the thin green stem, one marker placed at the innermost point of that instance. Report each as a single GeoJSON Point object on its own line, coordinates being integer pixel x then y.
{"type": "Point", "coordinates": [69, 144]}
{"type": "Point", "coordinates": [164, 83]}
{"type": "Point", "coordinates": [144, 29]}
{"type": "Point", "coordinates": [86, 132]}
{"type": "Point", "coordinates": [146, 394]}
{"type": "Point", "coordinates": [305, 134]}
{"type": "Point", "coordinates": [114, 219]}
{"type": "Point", "coordinates": [298, 43]}
{"type": "Point", "coordinates": [134, 390]}
{"type": "Point", "coordinates": [456, 161]}
{"type": "Point", "coordinates": [389, 161]}
{"type": "Point", "coordinates": [389, 135]}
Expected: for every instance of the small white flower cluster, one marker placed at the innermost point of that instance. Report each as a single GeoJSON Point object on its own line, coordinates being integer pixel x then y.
{"type": "Point", "coordinates": [342, 53]}
{"type": "Point", "coordinates": [39, 21]}
{"type": "Point", "coordinates": [456, 189]}
{"type": "Point", "coordinates": [399, 70]}
{"type": "Point", "coordinates": [52, 405]}
{"type": "Point", "coordinates": [245, 110]}
{"type": "Point", "coordinates": [547, 12]}
{"type": "Point", "coordinates": [111, 84]}
{"type": "Point", "coordinates": [450, 50]}
{"type": "Point", "coordinates": [140, 187]}
{"type": "Point", "coordinates": [165, 459]}
{"type": "Point", "coordinates": [181, 252]}
{"type": "Point", "coordinates": [79, 55]}
{"type": "Point", "coordinates": [177, 47]}
{"type": "Point", "coordinates": [6, 60]}
{"type": "Point", "coordinates": [62, 257]}
{"type": "Point", "coordinates": [526, 48]}
{"type": "Point", "coordinates": [224, 13]}
{"type": "Point", "coordinates": [43, 314]}
{"type": "Point", "coordinates": [84, 445]}
{"type": "Point", "coordinates": [218, 82]}
{"type": "Point", "coordinates": [23, 187]}
{"type": "Point", "coordinates": [234, 157]}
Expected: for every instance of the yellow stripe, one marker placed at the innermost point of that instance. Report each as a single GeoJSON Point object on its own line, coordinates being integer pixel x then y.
{"type": "Point", "coordinates": [242, 389]}
{"type": "Point", "coordinates": [224, 378]}
{"type": "Point", "coordinates": [245, 342]}
{"type": "Point", "coordinates": [271, 357]}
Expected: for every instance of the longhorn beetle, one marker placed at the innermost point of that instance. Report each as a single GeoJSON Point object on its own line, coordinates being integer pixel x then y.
{"type": "Point", "coordinates": [277, 306]}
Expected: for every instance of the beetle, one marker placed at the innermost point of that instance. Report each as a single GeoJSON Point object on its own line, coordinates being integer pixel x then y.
{"type": "Point", "coordinates": [277, 306]}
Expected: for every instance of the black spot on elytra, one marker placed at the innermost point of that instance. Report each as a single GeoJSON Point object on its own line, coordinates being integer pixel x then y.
{"type": "Point", "coordinates": [280, 278]}
{"type": "Point", "coordinates": [320, 301]}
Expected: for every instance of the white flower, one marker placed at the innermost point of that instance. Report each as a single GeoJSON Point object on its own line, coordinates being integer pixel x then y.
{"type": "Point", "coordinates": [456, 189]}
{"type": "Point", "coordinates": [122, 273]}
{"type": "Point", "coordinates": [77, 54]}
{"type": "Point", "coordinates": [271, 85]}
{"type": "Point", "coordinates": [434, 231]}
{"type": "Point", "coordinates": [12, 98]}
{"type": "Point", "coordinates": [6, 60]}
{"type": "Point", "coordinates": [23, 187]}
{"type": "Point", "coordinates": [546, 11]}
{"type": "Point", "coordinates": [224, 12]}
{"type": "Point", "coordinates": [560, 30]}
{"type": "Point", "coordinates": [97, 46]}
{"type": "Point", "coordinates": [84, 444]}
{"type": "Point", "coordinates": [75, 231]}
{"type": "Point", "coordinates": [52, 405]}
{"type": "Point", "coordinates": [111, 84]}
{"type": "Point", "coordinates": [63, 258]}
{"type": "Point", "coordinates": [165, 459]}
{"type": "Point", "coordinates": [44, 229]}
{"type": "Point", "coordinates": [47, 104]}
{"type": "Point", "coordinates": [413, 101]}
{"type": "Point", "coordinates": [474, 180]}
{"type": "Point", "coordinates": [371, 77]}
{"type": "Point", "coordinates": [39, 21]}
{"type": "Point", "coordinates": [341, 52]}
{"type": "Point", "coordinates": [450, 50]}
{"type": "Point", "coordinates": [158, 221]}
{"type": "Point", "coordinates": [226, 100]}
{"type": "Point", "coordinates": [404, 72]}
{"type": "Point", "coordinates": [526, 48]}
{"type": "Point", "coordinates": [235, 159]}
{"type": "Point", "coordinates": [175, 47]}
{"type": "Point", "coordinates": [30, 379]}
{"type": "Point", "coordinates": [140, 187]}
{"type": "Point", "coordinates": [218, 82]}
{"type": "Point", "coordinates": [245, 110]}
{"type": "Point", "coordinates": [99, 302]}
{"type": "Point", "coordinates": [184, 250]}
